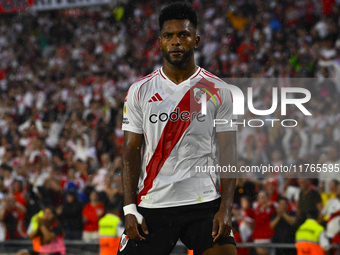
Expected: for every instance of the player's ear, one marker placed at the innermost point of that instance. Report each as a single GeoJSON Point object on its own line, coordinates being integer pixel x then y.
{"type": "Point", "coordinates": [197, 41]}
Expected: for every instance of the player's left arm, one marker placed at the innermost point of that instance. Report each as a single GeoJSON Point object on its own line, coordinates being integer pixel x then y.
{"type": "Point", "coordinates": [228, 156]}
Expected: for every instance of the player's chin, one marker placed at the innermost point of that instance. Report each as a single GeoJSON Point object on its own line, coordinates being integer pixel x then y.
{"type": "Point", "coordinates": [177, 61]}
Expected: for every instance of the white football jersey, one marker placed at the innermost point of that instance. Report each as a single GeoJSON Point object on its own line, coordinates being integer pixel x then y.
{"type": "Point", "coordinates": [179, 139]}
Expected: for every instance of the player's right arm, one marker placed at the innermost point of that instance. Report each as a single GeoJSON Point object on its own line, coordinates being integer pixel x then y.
{"type": "Point", "coordinates": [130, 175]}
{"type": "Point", "coordinates": [133, 140]}
{"type": "Point", "coordinates": [131, 166]}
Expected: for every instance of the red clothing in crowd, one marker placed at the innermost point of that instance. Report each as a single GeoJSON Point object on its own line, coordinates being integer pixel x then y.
{"type": "Point", "coordinates": [327, 6]}
{"type": "Point", "coordinates": [262, 217]}
{"type": "Point", "coordinates": [15, 229]}
{"type": "Point", "coordinates": [244, 50]}
{"type": "Point", "coordinates": [20, 197]}
{"type": "Point", "coordinates": [92, 214]}
{"type": "Point", "coordinates": [274, 197]}
{"type": "Point", "coordinates": [240, 251]}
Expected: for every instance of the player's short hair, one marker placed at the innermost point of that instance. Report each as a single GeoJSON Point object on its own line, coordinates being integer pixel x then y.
{"type": "Point", "coordinates": [178, 10]}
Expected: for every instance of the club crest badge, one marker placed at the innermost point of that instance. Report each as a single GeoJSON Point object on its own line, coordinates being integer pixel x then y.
{"type": "Point", "coordinates": [123, 242]}
{"type": "Point", "coordinates": [198, 95]}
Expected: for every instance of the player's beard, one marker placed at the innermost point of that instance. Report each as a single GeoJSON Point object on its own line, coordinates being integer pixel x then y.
{"type": "Point", "coordinates": [178, 62]}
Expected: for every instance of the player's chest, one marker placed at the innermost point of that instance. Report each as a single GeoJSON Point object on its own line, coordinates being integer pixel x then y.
{"type": "Point", "coordinates": [162, 102]}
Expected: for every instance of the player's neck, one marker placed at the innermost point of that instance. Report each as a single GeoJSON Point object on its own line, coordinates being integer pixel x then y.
{"type": "Point", "coordinates": [179, 74]}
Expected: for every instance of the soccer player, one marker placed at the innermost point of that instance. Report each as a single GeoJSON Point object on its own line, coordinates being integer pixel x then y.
{"type": "Point", "coordinates": [165, 199]}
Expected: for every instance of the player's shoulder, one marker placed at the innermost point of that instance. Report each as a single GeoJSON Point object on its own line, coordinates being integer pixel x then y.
{"type": "Point", "coordinates": [210, 76]}
{"type": "Point", "coordinates": [145, 80]}
{"type": "Point", "coordinates": [223, 90]}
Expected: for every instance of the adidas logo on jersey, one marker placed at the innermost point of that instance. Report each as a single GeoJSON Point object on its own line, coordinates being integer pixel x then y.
{"type": "Point", "coordinates": [155, 98]}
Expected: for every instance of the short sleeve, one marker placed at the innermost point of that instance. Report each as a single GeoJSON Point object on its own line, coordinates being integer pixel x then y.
{"type": "Point", "coordinates": [225, 111]}
{"type": "Point", "coordinates": [132, 112]}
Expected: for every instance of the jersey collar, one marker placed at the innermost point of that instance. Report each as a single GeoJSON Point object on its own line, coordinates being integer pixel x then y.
{"type": "Point", "coordinates": [165, 78]}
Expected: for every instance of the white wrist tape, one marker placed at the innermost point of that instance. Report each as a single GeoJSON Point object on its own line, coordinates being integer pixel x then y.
{"type": "Point", "coordinates": [132, 209]}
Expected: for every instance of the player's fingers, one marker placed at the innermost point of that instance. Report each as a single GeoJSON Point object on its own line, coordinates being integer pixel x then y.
{"type": "Point", "coordinates": [227, 232]}
{"type": "Point", "coordinates": [131, 226]}
{"type": "Point", "coordinates": [215, 228]}
{"type": "Point", "coordinates": [138, 236]}
{"type": "Point", "coordinates": [220, 232]}
{"type": "Point", "coordinates": [144, 227]}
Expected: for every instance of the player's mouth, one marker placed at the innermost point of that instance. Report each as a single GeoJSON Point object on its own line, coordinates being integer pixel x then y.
{"type": "Point", "coordinates": [176, 52]}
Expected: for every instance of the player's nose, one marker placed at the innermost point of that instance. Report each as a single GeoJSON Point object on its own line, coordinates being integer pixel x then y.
{"type": "Point", "coordinates": [175, 41]}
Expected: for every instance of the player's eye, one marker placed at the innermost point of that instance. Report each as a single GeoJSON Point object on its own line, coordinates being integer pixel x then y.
{"type": "Point", "coordinates": [167, 35]}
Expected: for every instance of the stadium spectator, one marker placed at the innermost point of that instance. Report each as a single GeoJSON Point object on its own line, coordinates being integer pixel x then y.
{"type": "Point", "coordinates": [332, 206]}
{"type": "Point", "coordinates": [246, 221]}
{"type": "Point", "coordinates": [309, 199]}
{"type": "Point", "coordinates": [271, 187]}
{"type": "Point", "coordinates": [332, 160]}
{"type": "Point", "coordinates": [332, 226]}
{"type": "Point", "coordinates": [262, 215]}
{"type": "Point", "coordinates": [52, 187]}
{"type": "Point", "coordinates": [283, 224]}
{"type": "Point", "coordinates": [109, 189]}
{"type": "Point", "coordinates": [18, 192]}
{"type": "Point", "coordinates": [36, 242]}
{"type": "Point", "coordinates": [332, 187]}
{"type": "Point", "coordinates": [98, 180]}
{"type": "Point", "coordinates": [71, 181]}
{"type": "Point", "coordinates": [310, 236]}
{"type": "Point", "coordinates": [72, 216]}
{"type": "Point", "coordinates": [244, 186]}
{"type": "Point", "coordinates": [12, 215]}
{"type": "Point", "coordinates": [110, 230]}
{"type": "Point", "coordinates": [38, 175]}
{"type": "Point", "coordinates": [8, 177]}
{"type": "Point", "coordinates": [50, 232]}
{"type": "Point", "coordinates": [238, 239]}
{"type": "Point", "coordinates": [91, 214]}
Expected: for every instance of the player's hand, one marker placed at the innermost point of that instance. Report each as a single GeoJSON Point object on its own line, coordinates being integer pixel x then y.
{"type": "Point", "coordinates": [221, 225]}
{"type": "Point", "coordinates": [131, 226]}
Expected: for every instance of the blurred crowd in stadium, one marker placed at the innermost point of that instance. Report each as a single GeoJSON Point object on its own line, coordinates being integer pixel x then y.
{"type": "Point", "coordinates": [64, 76]}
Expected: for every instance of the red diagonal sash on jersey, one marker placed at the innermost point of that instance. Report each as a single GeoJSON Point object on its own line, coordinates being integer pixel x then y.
{"type": "Point", "coordinates": [172, 133]}
{"type": "Point", "coordinates": [334, 215]}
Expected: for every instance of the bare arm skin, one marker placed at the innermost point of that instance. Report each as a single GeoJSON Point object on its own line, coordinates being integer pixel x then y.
{"type": "Point", "coordinates": [290, 219]}
{"type": "Point", "coordinates": [276, 220]}
{"type": "Point", "coordinates": [47, 234]}
{"type": "Point", "coordinates": [130, 176]}
{"type": "Point", "coordinates": [228, 156]}
{"type": "Point", "coordinates": [33, 234]}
